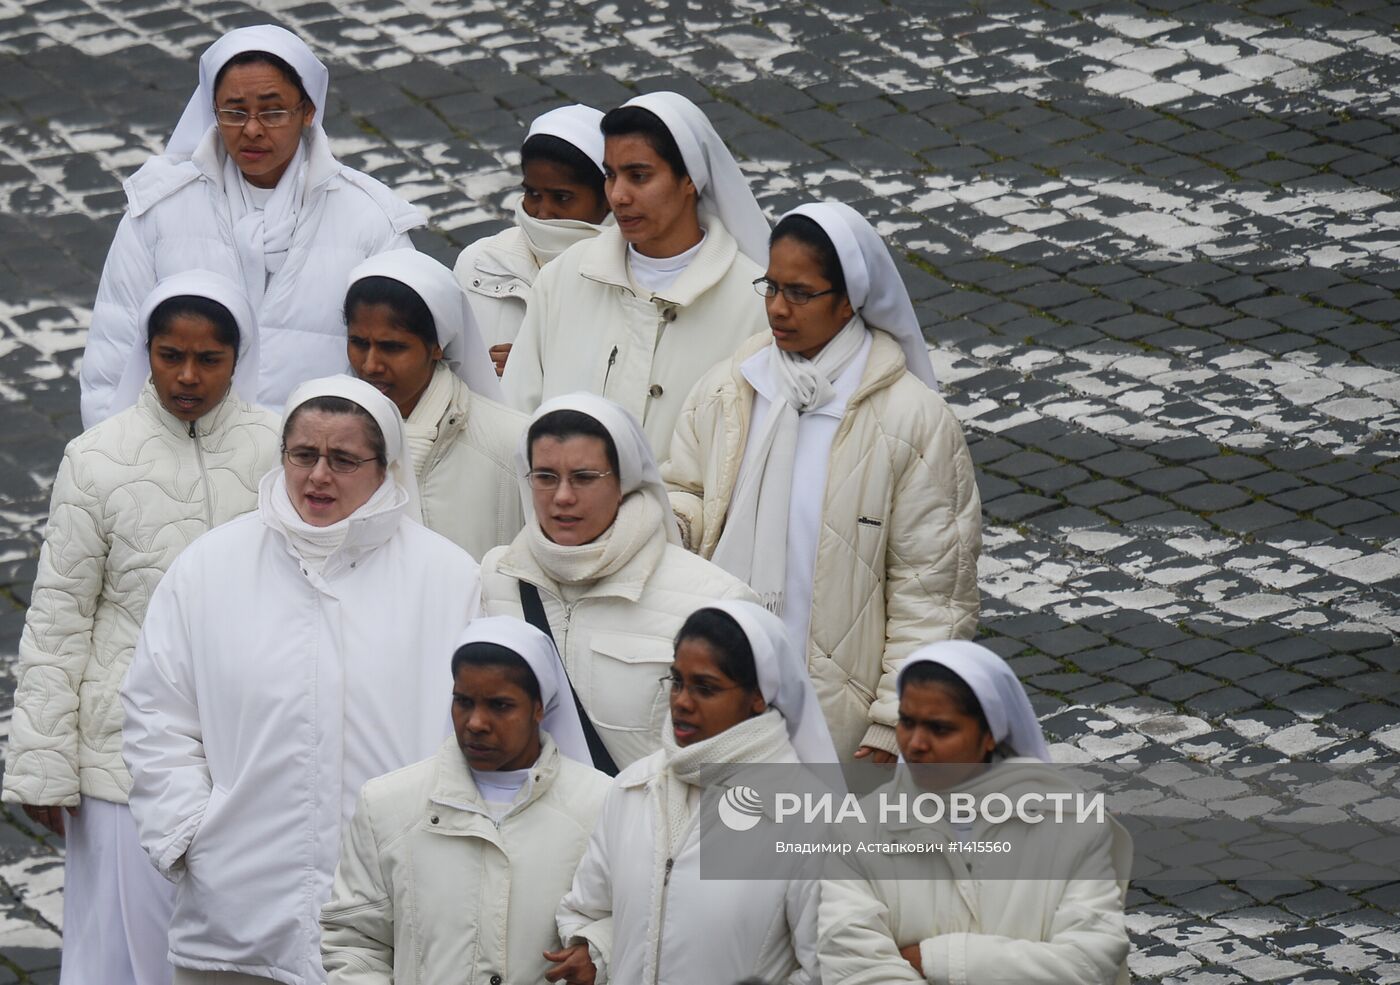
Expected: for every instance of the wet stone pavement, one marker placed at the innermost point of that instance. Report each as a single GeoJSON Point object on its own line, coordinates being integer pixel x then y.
{"type": "Point", "coordinates": [1155, 244]}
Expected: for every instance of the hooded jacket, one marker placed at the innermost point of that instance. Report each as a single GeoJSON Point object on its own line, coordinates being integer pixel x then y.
{"type": "Point", "coordinates": [177, 219]}
{"type": "Point", "coordinates": [896, 558]}
{"type": "Point", "coordinates": [130, 495]}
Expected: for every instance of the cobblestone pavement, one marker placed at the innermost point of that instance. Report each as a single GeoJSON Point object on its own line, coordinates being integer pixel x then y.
{"type": "Point", "coordinates": [1154, 242]}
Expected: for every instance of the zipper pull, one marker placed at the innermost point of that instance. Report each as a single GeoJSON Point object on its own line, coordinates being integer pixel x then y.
{"type": "Point", "coordinates": [611, 360]}
{"type": "Point", "coordinates": [670, 864]}
{"type": "Point", "coordinates": [192, 434]}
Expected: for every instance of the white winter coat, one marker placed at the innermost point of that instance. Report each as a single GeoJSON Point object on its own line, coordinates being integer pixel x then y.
{"type": "Point", "coordinates": [236, 707]}
{"type": "Point", "coordinates": [617, 637]}
{"type": "Point", "coordinates": [430, 889]}
{"type": "Point", "coordinates": [468, 489]}
{"type": "Point", "coordinates": [497, 273]}
{"type": "Point", "coordinates": [896, 559]}
{"type": "Point", "coordinates": [587, 329]}
{"type": "Point", "coordinates": [972, 931]}
{"type": "Point", "coordinates": [177, 219]}
{"type": "Point", "coordinates": [712, 931]}
{"type": "Point", "coordinates": [130, 495]}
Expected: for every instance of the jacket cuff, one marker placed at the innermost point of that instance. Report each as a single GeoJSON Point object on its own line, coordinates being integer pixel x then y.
{"type": "Point", "coordinates": [944, 958]}
{"type": "Point", "coordinates": [881, 737]}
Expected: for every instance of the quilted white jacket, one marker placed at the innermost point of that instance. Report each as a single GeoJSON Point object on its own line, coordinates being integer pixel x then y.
{"type": "Point", "coordinates": [177, 219]}
{"type": "Point", "coordinates": [901, 528]}
{"type": "Point", "coordinates": [131, 494]}
{"type": "Point", "coordinates": [430, 889]}
{"type": "Point", "coordinates": [617, 636]}
{"type": "Point", "coordinates": [588, 329]}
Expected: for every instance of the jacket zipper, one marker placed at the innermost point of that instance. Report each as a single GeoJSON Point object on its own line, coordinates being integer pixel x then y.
{"type": "Point", "coordinates": [204, 475]}
{"type": "Point", "coordinates": [611, 359]}
{"type": "Point", "coordinates": [661, 918]}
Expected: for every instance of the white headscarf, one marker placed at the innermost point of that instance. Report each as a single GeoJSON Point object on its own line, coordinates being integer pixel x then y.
{"type": "Point", "coordinates": [636, 465]}
{"type": "Point", "coordinates": [876, 290]}
{"type": "Point", "coordinates": [561, 719]}
{"type": "Point", "coordinates": [1004, 703]}
{"type": "Point", "coordinates": [199, 111]}
{"type": "Point", "coordinates": [783, 679]}
{"type": "Point", "coordinates": [578, 125]}
{"type": "Point", "coordinates": [724, 191]}
{"type": "Point", "coordinates": [199, 284]}
{"type": "Point", "coordinates": [462, 348]}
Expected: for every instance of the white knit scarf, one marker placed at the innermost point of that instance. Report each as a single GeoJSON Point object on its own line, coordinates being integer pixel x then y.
{"type": "Point", "coordinates": [754, 545]}
{"type": "Point", "coordinates": [421, 427]}
{"type": "Point", "coordinates": [761, 739]}
{"type": "Point", "coordinates": [547, 238]}
{"type": "Point", "coordinates": [637, 523]}
{"type": "Point", "coordinates": [263, 236]}
{"type": "Point", "coordinates": [311, 543]}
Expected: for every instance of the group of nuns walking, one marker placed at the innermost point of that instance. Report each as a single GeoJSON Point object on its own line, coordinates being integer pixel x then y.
{"type": "Point", "coordinates": [391, 619]}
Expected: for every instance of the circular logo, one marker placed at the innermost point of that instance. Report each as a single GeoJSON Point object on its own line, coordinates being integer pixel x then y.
{"type": "Point", "coordinates": [740, 808]}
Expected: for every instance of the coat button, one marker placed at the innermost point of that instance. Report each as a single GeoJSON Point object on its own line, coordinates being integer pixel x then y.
{"type": "Point", "coordinates": [476, 283]}
{"type": "Point", "coordinates": [495, 980]}
{"type": "Point", "coordinates": [656, 390]}
{"type": "Point", "coordinates": [434, 819]}
{"type": "Point", "coordinates": [669, 314]}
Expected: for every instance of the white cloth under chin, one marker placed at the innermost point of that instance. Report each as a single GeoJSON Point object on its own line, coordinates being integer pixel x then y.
{"type": "Point", "coordinates": [501, 789]}
{"type": "Point", "coordinates": [816, 430]}
{"type": "Point", "coordinates": [659, 273]}
{"type": "Point", "coordinates": [116, 906]}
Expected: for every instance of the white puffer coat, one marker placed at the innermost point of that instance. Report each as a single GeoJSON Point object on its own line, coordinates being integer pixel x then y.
{"type": "Point", "coordinates": [497, 273]}
{"type": "Point", "coordinates": [177, 219]}
{"type": "Point", "coordinates": [467, 488]}
{"type": "Point", "coordinates": [430, 889]}
{"type": "Point", "coordinates": [587, 329]}
{"type": "Point", "coordinates": [617, 636]}
{"type": "Point", "coordinates": [711, 930]}
{"type": "Point", "coordinates": [896, 560]}
{"type": "Point", "coordinates": [130, 495]}
{"type": "Point", "coordinates": [261, 697]}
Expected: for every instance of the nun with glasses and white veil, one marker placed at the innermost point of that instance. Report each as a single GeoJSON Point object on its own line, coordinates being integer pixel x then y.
{"type": "Point", "coordinates": [639, 312]}
{"type": "Point", "coordinates": [286, 658]}
{"type": "Point", "coordinates": [247, 187]}
{"type": "Point", "coordinates": [412, 336]}
{"type": "Point", "coordinates": [640, 910]}
{"type": "Point", "coordinates": [561, 172]}
{"type": "Point", "coordinates": [1048, 910]}
{"type": "Point", "coordinates": [820, 465]}
{"type": "Point", "coordinates": [453, 867]}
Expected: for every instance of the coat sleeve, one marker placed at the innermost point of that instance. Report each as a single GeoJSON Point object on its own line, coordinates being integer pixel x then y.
{"type": "Point", "coordinates": [930, 558]}
{"type": "Point", "coordinates": [855, 944]}
{"type": "Point", "coordinates": [127, 277]}
{"type": "Point", "coordinates": [357, 922]}
{"type": "Point", "coordinates": [1088, 942]}
{"type": "Point", "coordinates": [803, 897]}
{"type": "Point", "coordinates": [163, 737]}
{"type": "Point", "coordinates": [54, 650]}
{"type": "Point", "coordinates": [522, 385]}
{"type": "Point", "coordinates": [584, 915]}
{"type": "Point", "coordinates": [684, 471]}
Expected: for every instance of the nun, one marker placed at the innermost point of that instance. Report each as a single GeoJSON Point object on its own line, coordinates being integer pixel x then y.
{"type": "Point", "coordinates": [453, 867]}
{"type": "Point", "coordinates": [411, 336]}
{"type": "Point", "coordinates": [820, 465]}
{"type": "Point", "coordinates": [561, 171]}
{"type": "Point", "coordinates": [639, 910]}
{"type": "Point", "coordinates": [639, 312]}
{"type": "Point", "coordinates": [184, 455]}
{"type": "Point", "coordinates": [286, 658]}
{"type": "Point", "coordinates": [599, 567]}
{"type": "Point", "coordinates": [965, 920]}
{"type": "Point", "coordinates": [246, 187]}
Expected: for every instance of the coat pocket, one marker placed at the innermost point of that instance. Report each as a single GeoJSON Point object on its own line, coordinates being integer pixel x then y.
{"type": "Point", "coordinates": [625, 670]}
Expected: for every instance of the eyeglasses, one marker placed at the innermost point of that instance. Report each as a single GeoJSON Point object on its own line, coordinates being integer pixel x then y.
{"type": "Point", "coordinates": [700, 692]}
{"type": "Point", "coordinates": [273, 119]}
{"type": "Point", "coordinates": [306, 458]}
{"type": "Point", "coordinates": [792, 295]}
{"type": "Point", "coordinates": [547, 481]}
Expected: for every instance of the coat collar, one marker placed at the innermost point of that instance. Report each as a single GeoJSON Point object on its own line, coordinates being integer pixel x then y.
{"type": "Point", "coordinates": [213, 421]}
{"type": "Point", "coordinates": [605, 261]}
{"type": "Point", "coordinates": [884, 366]}
{"type": "Point", "coordinates": [455, 790]}
{"type": "Point", "coordinates": [507, 255]}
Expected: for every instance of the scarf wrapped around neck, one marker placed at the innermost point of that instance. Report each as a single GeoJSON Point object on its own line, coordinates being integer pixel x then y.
{"type": "Point", "coordinates": [421, 427]}
{"type": "Point", "coordinates": [754, 544]}
{"type": "Point", "coordinates": [761, 739]}
{"type": "Point", "coordinates": [547, 238]}
{"type": "Point", "coordinates": [638, 522]}
{"type": "Point", "coordinates": [312, 544]}
{"type": "Point", "coordinates": [263, 236]}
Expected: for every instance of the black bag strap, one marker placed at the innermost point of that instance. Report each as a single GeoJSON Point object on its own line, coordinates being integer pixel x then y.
{"type": "Point", "coordinates": [534, 614]}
